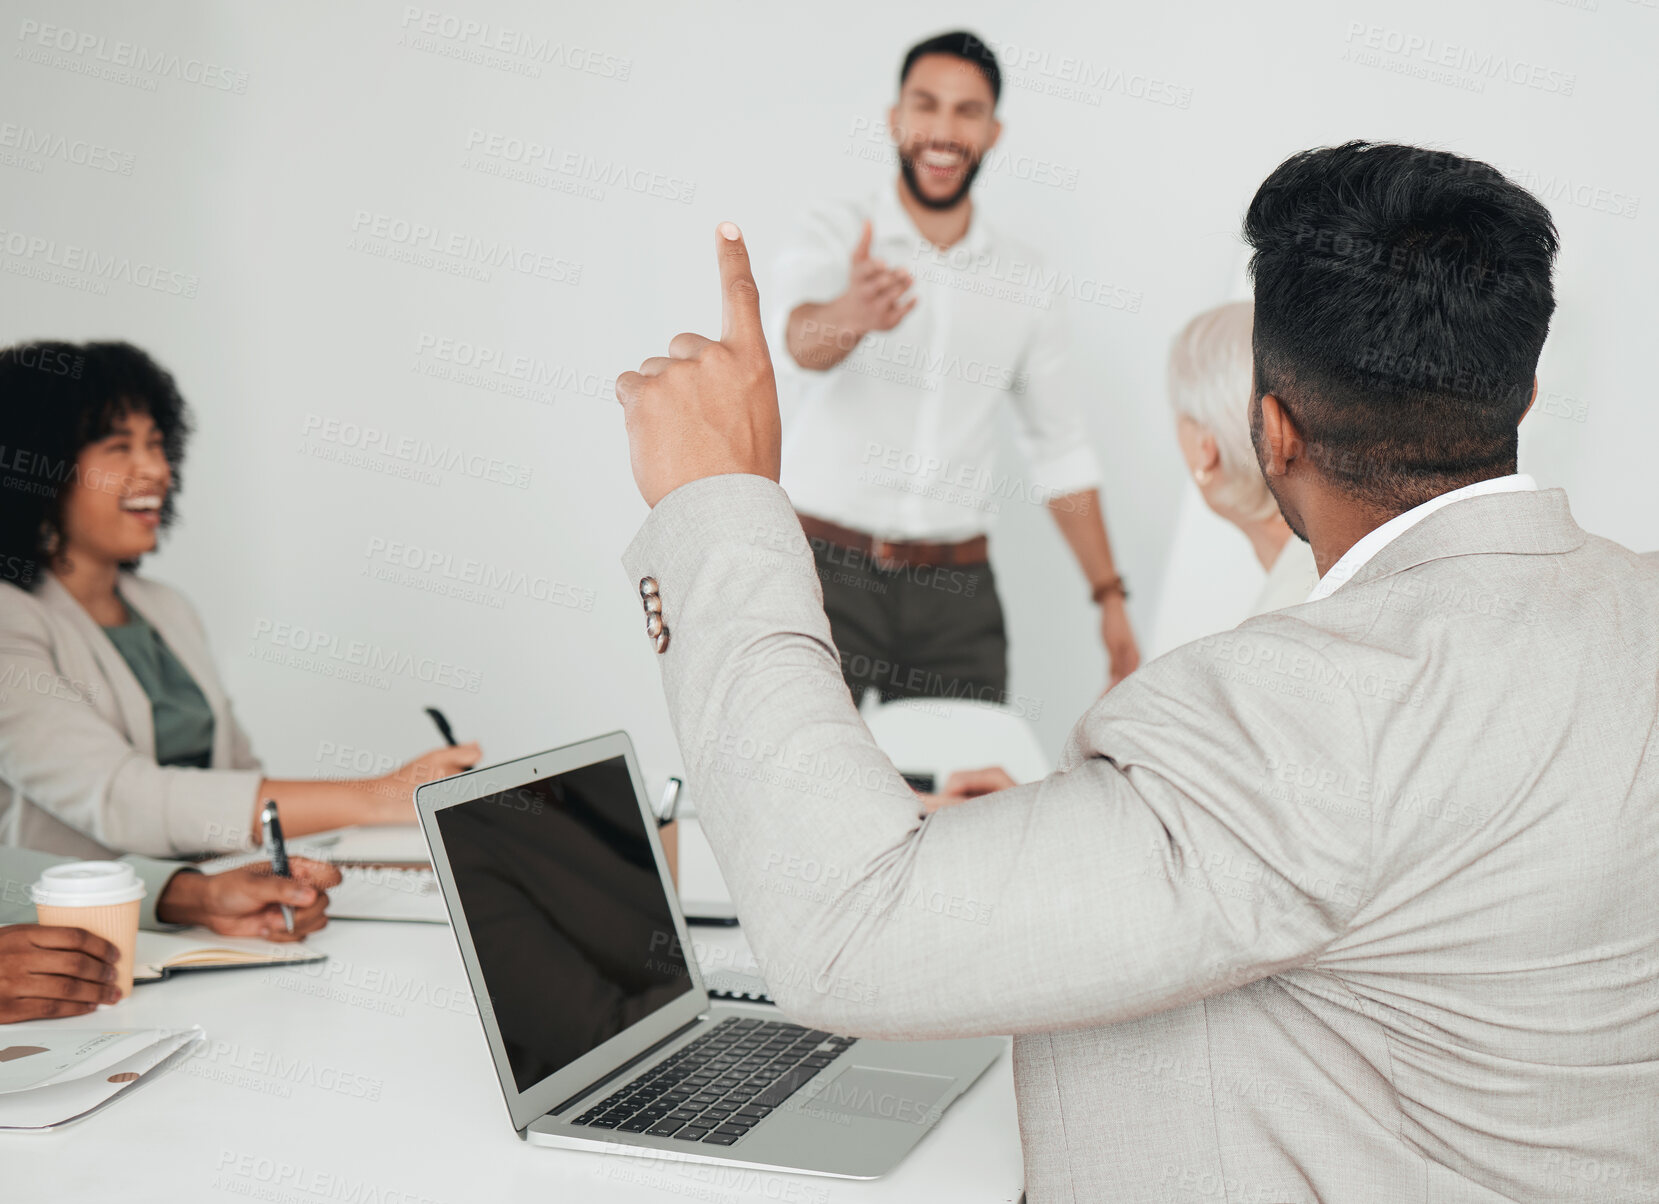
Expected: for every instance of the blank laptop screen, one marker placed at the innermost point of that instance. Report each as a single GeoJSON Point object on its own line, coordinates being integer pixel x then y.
{"type": "Point", "coordinates": [567, 913]}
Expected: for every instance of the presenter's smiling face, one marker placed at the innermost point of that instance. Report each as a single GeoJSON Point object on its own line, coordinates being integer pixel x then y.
{"type": "Point", "coordinates": [943, 125]}
{"type": "Point", "coordinates": [113, 509]}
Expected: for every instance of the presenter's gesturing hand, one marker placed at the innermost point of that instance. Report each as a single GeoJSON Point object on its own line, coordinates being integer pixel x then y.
{"type": "Point", "coordinates": [707, 408]}
{"type": "Point", "coordinates": [875, 296]}
{"type": "Point", "coordinates": [823, 333]}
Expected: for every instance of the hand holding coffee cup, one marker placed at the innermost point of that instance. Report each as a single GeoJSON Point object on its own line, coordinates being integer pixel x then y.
{"type": "Point", "coordinates": [102, 897]}
{"type": "Point", "coordinates": [50, 972]}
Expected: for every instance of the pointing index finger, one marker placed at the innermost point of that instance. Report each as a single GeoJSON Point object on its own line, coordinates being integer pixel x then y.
{"type": "Point", "coordinates": [740, 299]}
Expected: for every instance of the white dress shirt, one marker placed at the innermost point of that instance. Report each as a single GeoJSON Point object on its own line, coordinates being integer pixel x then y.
{"type": "Point", "coordinates": [1288, 581]}
{"type": "Point", "coordinates": [1376, 540]}
{"type": "Point", "coordinates": [899, 440]}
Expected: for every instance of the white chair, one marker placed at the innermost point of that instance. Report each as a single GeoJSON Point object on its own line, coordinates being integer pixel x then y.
{"type": "Point", "coordinates": [941, 735]}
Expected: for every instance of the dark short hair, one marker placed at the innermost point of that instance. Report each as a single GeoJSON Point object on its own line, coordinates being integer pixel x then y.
{"type": "Point", "coordinates": [963, 45]}
{"type": "Point", "coordinates": [55, 400]}
{"type": "Point", "coordinates": [1402, 299]}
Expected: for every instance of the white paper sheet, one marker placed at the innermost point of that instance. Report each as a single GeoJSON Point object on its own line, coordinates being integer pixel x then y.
{"type": "Point", "coordinates": [100, 1066]}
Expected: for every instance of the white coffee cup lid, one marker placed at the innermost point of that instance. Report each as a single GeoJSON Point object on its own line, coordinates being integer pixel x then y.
{"type": "Point", "coordinates": [87, 884]}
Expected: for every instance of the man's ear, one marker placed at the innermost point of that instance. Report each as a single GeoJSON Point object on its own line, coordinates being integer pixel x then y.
{"type": "Point", "coordinates": [996, 132]}
{"type": "Point", "coordinates": [1282, 443]}
{"type": "Point", "coordinates": [893, 125]}
{"type": "Point", "coordinates": [1530, 402]}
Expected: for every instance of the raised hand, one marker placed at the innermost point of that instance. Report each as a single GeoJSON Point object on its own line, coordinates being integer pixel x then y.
{"type": "Point", "coordinates": [823, 333]}
{"type": "Point", "coordinates": [875, 296]}
{"type": "Point", "coordinates": [707, 408]}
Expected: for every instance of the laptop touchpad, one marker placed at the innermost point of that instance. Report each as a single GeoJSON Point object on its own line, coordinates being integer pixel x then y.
{"type": "Point", "coordinates": [883, 1094]}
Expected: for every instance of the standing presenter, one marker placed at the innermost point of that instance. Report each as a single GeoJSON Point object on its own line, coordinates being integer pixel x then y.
{"type": "Point", "coordinates": [903, 330]}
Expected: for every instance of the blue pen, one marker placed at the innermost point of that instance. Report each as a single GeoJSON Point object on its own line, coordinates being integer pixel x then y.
{"type": "Point", "coordinates": [279, 852]}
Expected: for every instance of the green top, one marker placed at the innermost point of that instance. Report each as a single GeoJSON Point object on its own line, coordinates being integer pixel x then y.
{"type": "Point", "coordinates": [183, 720]}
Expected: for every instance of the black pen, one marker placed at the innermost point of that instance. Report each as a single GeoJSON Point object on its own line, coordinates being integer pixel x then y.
{"type": "Point", "coordinates": [443, 726]}
{"type": "Point", "coordinates": [279, 852]}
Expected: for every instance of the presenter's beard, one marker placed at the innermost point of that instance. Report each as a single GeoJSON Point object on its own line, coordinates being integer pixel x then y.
{"type": "Point", "coordinates": [907, 170]}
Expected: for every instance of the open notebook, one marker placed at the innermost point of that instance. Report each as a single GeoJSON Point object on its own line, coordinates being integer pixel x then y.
{"type": "Point", "coordinates": [160, 955]}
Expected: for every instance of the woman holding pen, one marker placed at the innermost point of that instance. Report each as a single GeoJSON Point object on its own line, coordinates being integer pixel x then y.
{"type": "Point", "coordinates": [115, 731]}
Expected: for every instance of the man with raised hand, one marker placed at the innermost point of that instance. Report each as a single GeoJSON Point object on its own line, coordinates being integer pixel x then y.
{"type": "Point", "coordinates": [907, 324]}
{"type": "Point", "coordinates": [1353, 903]}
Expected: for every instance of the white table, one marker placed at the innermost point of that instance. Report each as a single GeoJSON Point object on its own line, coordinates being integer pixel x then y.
{"type": "Point", "coordinates": [365, 1079]}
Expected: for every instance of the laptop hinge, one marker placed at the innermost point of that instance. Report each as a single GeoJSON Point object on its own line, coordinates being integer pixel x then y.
{"type": "Point", "coordinates": [625, 1067]}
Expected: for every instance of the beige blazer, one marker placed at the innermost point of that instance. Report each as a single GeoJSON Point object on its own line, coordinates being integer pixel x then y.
{"type": "Point", "coordinates": [78, 774]}
{"type": "Point", "coordinates": [1355, 903]}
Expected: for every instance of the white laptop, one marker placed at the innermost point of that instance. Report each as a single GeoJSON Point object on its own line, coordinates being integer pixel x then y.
{"type": "Point", "coordinates": [602, 1033]}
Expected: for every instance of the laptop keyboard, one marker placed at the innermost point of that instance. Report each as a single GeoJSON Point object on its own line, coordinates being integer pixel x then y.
{"type": "Point", "coordinates": [721, 1085]}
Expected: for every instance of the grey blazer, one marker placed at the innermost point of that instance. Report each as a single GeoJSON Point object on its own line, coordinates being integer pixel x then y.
{"type": "Point", "coordinates": [1357, 902]}
{"type": "Point", "coordinates": [78, 773]}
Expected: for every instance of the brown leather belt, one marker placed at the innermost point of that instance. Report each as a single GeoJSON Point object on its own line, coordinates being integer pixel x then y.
{"type": "Point", "coordinates": [897, 553]}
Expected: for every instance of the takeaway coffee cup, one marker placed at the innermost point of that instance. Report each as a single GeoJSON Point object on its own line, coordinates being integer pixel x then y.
{"type": "Point", "coordinates": [102, 897]}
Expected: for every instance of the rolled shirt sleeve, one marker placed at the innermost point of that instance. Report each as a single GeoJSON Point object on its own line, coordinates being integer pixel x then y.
{"type": "Point", "coordinates": [811, 268]}
{"type": "Point", "coordinates": [1052, 432]}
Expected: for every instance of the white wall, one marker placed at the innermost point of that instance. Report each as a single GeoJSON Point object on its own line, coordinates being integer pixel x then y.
{"type": "Point", "coordinates": [753, 110]}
